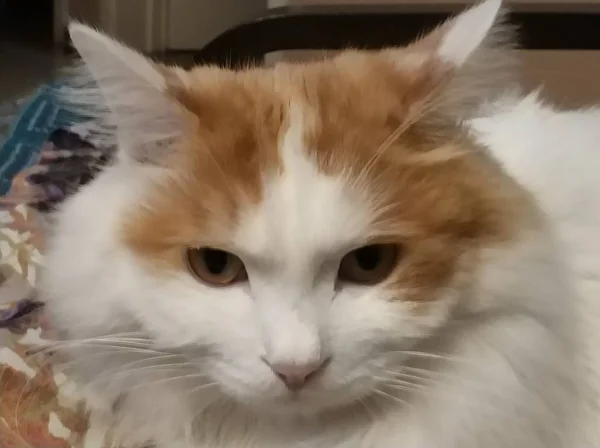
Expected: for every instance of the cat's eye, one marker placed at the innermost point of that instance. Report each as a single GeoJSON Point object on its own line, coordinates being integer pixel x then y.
{"type": "Point", "coordinates": [369, 264]}
{"type": "Point", "coordinates": [215, 267]}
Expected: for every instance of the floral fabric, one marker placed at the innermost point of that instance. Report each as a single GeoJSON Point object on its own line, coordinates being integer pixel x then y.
{"type": "Point", "coordinates": [39, 406]}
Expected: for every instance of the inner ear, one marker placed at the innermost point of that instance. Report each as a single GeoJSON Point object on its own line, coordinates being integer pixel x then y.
{"type": "Point", "coordinates": [457, 39]}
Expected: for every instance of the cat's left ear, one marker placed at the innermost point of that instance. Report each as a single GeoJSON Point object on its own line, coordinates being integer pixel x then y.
{"type": "Point", "coordinates": [473, 44]}
{"type": "Point", "coordinates": [125, 95]}
{"type": "Point", "coordinates": [455, 41]}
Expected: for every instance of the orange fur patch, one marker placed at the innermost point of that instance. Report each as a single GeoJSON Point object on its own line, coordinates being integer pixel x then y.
{"type": "Point", "coordinates": [439, 195]}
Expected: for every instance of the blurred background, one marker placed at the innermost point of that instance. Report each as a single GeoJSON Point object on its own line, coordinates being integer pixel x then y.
{"type": "Point", "coordinates": [33, 41]}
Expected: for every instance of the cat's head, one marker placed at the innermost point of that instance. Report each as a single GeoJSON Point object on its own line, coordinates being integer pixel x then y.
{"type": "Point", "coordinates": [302, 226]}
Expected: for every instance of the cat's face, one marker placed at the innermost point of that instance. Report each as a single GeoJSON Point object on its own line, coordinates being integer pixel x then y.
{"type": "Point", "coordinates": [309, 224]}
{"type": "Point", "coordinates": [289, 251]}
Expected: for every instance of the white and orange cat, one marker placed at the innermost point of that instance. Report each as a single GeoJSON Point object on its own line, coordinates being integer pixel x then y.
{"type": "Point", "coordinates": [386, 249]}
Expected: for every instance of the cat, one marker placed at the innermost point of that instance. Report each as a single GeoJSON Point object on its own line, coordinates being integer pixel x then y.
{"type": "Point", "coordinates": [385, 249]}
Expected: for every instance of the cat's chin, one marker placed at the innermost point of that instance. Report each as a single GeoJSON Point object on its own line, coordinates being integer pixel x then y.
{"type": "Point", "coordinates": [308, 402]}
{"type": "Point", "coordinates": [297, 407]}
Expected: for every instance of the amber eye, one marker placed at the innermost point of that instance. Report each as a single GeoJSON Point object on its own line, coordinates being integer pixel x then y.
{"type": "Point", "coordinates": [369, 264]}
{"type": "Point", "coordinates": [215, 267]}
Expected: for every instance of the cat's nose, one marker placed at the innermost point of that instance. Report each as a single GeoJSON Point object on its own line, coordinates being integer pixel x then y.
{"type": "Point", "coordinates": [295, 376]}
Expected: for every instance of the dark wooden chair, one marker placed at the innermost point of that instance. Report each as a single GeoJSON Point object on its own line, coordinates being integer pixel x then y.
{"type": "Point", "coordinates": [337, 27]}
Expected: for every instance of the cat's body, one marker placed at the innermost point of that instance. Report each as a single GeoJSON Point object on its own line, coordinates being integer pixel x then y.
{"type": "Point", "coordinates": [471, 339]}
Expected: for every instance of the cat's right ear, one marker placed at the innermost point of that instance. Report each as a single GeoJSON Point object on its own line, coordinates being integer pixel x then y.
{"type": "Point", "coordinates": [126, 95]}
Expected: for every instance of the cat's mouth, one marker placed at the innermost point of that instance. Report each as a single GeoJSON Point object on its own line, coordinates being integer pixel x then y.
{"type": "Point", "coordinates": [310, 402]}
{"type": "Point", "coordinates": [256, 385]}
{"type": "Point", "coordinates": [315, 398]}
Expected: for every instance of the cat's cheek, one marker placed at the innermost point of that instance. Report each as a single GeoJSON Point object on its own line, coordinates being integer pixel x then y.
{"type": "Point", "coordinates": [244, 379]}
{"type": "Point", "coordinates": [181, 312]}
{"type": "Point", "coordinates": [370, 327]}
{"type": "Point", "coordinates": [362, 319]}
{"type": "Point", "coordinates": [219, 324]}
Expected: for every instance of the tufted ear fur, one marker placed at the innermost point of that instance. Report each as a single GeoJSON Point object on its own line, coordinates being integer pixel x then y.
{"type": "Point", "coordinates": [455, 41]}
{"type": "Point", "coordinates": [125, 95]}
{"type": "Point", "coordinates": [462, 61]}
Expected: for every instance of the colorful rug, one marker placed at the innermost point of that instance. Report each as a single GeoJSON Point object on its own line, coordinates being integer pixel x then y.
{"type": "Point", "coordinates": [42, 161]}
{"type": "Point", "coordinates": [43, 157]}
{"type": "Point", "coordinates": [38, 117]}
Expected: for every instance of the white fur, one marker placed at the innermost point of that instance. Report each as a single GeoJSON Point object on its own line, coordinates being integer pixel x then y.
{"type": "Point", "coordinates": [508, 356]}
{"type": "Point", "coordinates": [555, 154]}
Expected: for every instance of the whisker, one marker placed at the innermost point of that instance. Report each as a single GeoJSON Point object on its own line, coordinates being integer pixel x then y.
{"type": "Point", "coordinates": [409, 377]}
{"type": "Point", "coordinates": [430, 102]}
{"type": "Point", "coordinates": [386, 380]}
{"type": "Point", "coordinates": [389, 396]}
{"type": "Point", "coordinates": [170, 379]}
{"type": "Point", "coordinates": [108, 342]}
{"type": "Point", "coordinates": [477, 404]}
{"type": "Point", "coordinates": [429, 388]}
{"type": "Point", "coordinates": [79, 345]}
{"type": "Point", "coordinates": [203, 386]}
{"type": "Point", "coordinates": [370, 412]}
{"type": "Point", "coordinates": [428, 377]}
{"type": "Point", "coordinates": [137, 335]}
{"type": "Point", "coordinates": [436, 356]}
{"type": "Point", "coordinates": [125, 368]}
{"type": "Point", "coordinates": [88, 356]}
{"type": "Point", "coordinates": [114, 376]}
{"type": "Point", "coordinates": [92, 343]}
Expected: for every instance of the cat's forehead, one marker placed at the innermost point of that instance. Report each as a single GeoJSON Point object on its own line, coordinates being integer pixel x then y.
{"type": "Point", "coordinates": [246, 123]}
{"type": "Point", "coordinates": [269, 163]}
{"type": "Point", "coordinates": [304, 211]}
{"type": "Point", "coordinates": [282, 150]}
{"type": "Point", "coordinates": [337, 113]}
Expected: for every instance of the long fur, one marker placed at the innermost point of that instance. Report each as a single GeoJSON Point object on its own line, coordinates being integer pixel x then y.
{"type": "Point", "coordinates": [477, 340]}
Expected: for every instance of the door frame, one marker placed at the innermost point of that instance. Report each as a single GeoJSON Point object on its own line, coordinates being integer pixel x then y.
{"type": "Point", "coordinates": [150, 36]}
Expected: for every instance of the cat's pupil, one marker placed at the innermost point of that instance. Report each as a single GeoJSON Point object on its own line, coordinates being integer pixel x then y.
{"type": "Point", "coordinates": [215, 260]}
{"type": "Point", "coordinates": [368, 258]}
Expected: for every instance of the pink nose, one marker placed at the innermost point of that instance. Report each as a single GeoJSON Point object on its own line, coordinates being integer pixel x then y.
{"type": "Point", "coordinates": [295, 376]}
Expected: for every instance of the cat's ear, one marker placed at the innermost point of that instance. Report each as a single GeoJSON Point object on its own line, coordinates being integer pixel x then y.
{"type": "Point", "coordinates": [455, 41]}
{"type": "Point", "coordinates": [471, 51]}
{"type": "Point", "coordinates": [125, 95]}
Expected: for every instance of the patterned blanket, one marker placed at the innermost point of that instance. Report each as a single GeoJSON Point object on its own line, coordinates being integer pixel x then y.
{"type": "Point", "coordinates": [42, 160]}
